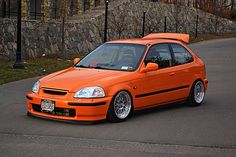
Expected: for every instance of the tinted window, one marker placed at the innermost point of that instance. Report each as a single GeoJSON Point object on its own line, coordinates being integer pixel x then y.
{"type": "Point", "coordinates": [181, 55]}
{"type": "Point", "coordinates": [159, 54]}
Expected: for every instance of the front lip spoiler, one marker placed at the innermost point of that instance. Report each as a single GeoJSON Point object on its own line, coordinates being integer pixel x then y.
{"type": "Point", "coordinates": [66, 121]}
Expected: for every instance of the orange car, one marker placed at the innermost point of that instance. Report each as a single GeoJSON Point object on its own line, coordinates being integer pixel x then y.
{"type": "Point", "coordinates": [119, 77]}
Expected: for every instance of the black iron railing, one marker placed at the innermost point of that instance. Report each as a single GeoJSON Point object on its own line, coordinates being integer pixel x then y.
{"type": "Point", "coordinates": [9, 9]}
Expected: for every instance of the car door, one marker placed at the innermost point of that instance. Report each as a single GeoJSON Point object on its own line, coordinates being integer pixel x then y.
{"type": "Point", "coordinates": [182, 65]}
{"type": "Point", "coordinates": [156, 87]}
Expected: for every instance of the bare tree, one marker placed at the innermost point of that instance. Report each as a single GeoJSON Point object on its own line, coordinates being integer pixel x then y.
{"type": "Point", "coordinates": [176, 12]}
{"type": "Point", "coordinates": [118, 22]}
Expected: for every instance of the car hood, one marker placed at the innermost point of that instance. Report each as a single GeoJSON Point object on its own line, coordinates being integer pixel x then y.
{"type": "Point", "coordinates": [73, 79]}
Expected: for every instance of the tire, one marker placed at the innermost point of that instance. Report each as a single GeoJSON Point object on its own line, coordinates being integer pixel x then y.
{"type": "Point", "coordinates": [121, 107]}
{"type": "Point", "coordinates": [197, 93]}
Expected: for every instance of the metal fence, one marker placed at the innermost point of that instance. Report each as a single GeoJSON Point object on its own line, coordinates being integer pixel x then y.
{"type": "Point", "coordinates": [8, 9]}
{"type": "Point", "coordinates": [35, 9]}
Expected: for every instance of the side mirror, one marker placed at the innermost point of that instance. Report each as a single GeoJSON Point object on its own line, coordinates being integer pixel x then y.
{"type": "Point", "coordinates": [76, 60]}
{"type": "Point", "coordinates": [150, 67]}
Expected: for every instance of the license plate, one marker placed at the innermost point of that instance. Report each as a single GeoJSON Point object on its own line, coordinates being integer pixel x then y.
{"type": "Point", "coordinates": [47, 105]}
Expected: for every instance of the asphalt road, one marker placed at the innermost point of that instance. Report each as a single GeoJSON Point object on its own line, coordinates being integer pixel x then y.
{"type": "Point", "coordinates": [177, 130]}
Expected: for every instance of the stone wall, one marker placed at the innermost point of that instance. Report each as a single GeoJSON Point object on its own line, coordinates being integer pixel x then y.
{"type": "Point", "coordinates": [129, 17]}
{"type": "Point", "coordinates": [125, 21]}
{"type": "Point", "coordinates": [46, 38]}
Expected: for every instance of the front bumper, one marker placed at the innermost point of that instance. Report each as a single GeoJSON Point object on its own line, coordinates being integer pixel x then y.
{"type": "Point", "coordinates": [69, 108]}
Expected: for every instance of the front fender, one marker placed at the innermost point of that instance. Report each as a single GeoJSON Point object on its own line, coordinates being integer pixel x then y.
{"type": "Point", "coordinates": [114, 89]}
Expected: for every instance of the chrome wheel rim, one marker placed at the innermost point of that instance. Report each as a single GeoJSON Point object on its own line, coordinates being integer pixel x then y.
{"type": "Point", "coordinates": [199, 92]}
{"type": "Point", "coordinates": [122, 104]}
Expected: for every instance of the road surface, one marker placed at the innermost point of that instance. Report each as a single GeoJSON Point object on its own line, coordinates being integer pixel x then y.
{"type": "Point", "coordinates": [178, 130]}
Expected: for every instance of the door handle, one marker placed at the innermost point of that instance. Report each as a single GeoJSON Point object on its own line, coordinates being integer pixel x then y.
{"type": "Point", "coordinates": [172, 74]}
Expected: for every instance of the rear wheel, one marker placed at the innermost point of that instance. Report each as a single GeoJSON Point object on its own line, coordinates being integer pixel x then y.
{"type": "Point", "coordinates": [120, 107]}
{"type": "Point", "coordinates": [197, 93]}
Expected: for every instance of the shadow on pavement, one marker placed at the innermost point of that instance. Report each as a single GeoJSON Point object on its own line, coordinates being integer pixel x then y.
{"type": "Point", "coordinates": [138, 113]}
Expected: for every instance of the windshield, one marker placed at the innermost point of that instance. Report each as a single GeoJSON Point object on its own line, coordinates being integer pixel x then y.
{"type": "Point", "coordinates": [114, 56]}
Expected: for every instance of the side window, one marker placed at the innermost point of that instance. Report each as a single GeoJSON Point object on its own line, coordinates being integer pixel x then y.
{"type": "Point", "coordinates": [159, 54]}
{"type": "Point", "coordinates": [181, 55]}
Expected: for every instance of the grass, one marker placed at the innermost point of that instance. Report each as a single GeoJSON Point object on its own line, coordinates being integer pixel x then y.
{"type": "Point", "coordinates": [33, 67]}
{"type": "Point", "coordinates": [46, 65]}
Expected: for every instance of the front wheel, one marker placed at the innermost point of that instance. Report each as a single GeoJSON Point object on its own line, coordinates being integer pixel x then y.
{"type": "Point", "coordinates": [197, 93]}
{"type": "Point", "coordinates": [120, 107]}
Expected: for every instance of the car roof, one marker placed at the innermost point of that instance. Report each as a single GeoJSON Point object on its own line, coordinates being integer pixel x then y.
{"type": "Point", "coordinates": [144, 41]}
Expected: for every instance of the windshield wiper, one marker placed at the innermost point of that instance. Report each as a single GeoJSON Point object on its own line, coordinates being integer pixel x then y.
{"type": "Point", "coordinates": [81, 66]}
{"type": "Point", "coordinates": [99, 67]}
{"type": "Point", "coordinates": [96, 67]}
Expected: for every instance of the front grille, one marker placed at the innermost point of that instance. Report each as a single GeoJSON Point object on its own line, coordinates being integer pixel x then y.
{"type": "Point", "coordinates": [57, 111]}
{"type": "Point", "coordinates": [54, 92]}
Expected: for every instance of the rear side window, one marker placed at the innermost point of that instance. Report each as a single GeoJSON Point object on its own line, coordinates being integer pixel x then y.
{"type": "Point", "coordinates": [181, 55]}
{"type": "Point", "coordinates": [159, 54]}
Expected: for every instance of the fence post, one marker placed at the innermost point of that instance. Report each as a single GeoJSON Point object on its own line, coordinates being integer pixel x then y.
{"type": "Point", "coordinates": [176, 27]}
{"type": "Point", "coordinates": [84, 5]}
{"type": "Point", "coordinates": [9, 8]}
{"type": "Point", "coordinates": [18, 64]}
{"type": "Point", "coordinates": [106, 16]}
{"type": "Point", "coordinates": [165, 25]}
{"type": "Point", "coordinates": [3, 9]}
{"type": "Point", "coordinates": [35, 9]}
{"type": "Point", "coordinates": [96, 3]}
{"type": "Point", "coordinates": [55, 9]}
{"type": "Point", "coordinates": [196, 31]}
{"type": "Point", "coordinates": [144, 18]}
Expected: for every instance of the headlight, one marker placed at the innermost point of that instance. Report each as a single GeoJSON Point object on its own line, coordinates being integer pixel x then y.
{"type": "Point", "coordinates": [36, 87]}
{"type": "Point", "coordinates": [90, 92]}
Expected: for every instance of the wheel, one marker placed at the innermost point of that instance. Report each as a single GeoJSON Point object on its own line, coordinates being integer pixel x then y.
{"type": "Point", "coordinates": [197, 93]}
{"type": "Point", "coordinates": [120, 107]}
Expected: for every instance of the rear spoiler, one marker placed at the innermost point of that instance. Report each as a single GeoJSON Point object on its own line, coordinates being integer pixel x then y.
{"type": "Point", "coordinates": [174, 36]}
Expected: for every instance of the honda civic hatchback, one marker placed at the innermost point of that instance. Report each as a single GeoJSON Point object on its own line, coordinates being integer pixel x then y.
{"type": "Point", "coordinates": [120, 77]}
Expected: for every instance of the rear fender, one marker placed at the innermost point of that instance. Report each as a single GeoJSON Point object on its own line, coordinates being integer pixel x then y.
{"type": "Point", "coordinates": [202, 78]}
